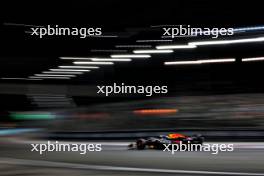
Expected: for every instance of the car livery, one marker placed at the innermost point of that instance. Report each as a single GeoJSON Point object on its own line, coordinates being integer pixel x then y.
{"type": "Point", "coordinates": [160, 141]}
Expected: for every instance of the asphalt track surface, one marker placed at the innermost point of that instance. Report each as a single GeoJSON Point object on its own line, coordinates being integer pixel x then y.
{"type": "Point", "coordinates": [16, 158]}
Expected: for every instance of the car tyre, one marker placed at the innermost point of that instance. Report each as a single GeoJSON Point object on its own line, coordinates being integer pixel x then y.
{"type": "Point", "coordinates": [141, 144]}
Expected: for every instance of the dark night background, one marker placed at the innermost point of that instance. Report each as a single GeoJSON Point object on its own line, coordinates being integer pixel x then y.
{"type": "Point", "coordinates": [23, 55]}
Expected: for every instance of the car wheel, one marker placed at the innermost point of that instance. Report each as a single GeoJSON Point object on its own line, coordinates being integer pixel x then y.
{"type": "Point", "coordinates": [141, 144]}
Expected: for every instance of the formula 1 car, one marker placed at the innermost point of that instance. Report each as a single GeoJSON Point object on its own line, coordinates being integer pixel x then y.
{"type": "Point", "coordinates": [158, 142]}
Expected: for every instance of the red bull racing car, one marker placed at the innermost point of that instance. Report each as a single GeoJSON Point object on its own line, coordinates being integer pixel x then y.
{"type": "Point", "coordinates": [172, 138]}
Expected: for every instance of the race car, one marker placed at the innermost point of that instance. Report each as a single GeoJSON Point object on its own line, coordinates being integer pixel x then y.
{"type": "Point", "coordinates": [172, 138]}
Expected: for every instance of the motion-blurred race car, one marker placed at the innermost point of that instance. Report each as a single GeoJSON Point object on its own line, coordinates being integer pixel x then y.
{"type": "Point", "coordinates": [173, 138]}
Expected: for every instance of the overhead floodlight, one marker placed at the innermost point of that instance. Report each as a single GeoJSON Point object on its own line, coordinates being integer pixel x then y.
{"type": "Point", "coordinates": [203, 61]}
{"type": "Point", "coordinates": [79, 67]}
{"type": "Point", "coordinates": [7, 78]}
{"type": "Point", "coordinates": [50, 75]}
{"type": "Point", "coordinates": [111, 60]}
{"type": "Point", "coordinates": [252, 59]}
{"type": "Point", "coordinates": [217, 60]}
{"type": "Point", "coordinates": [130, 56]}
{"type": "Point", "coordinates": [47, 77]}
{"type": "Point", "coordinates": [152, 51]}
{"type": "Point", "coordinates": [61, 72]}
{"type": "Point", "coordinates": [69, 70]}
{"type": "Point", "coordinates": [222, 42]}
{"type": "Point", "coordinates": [93, 63]}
